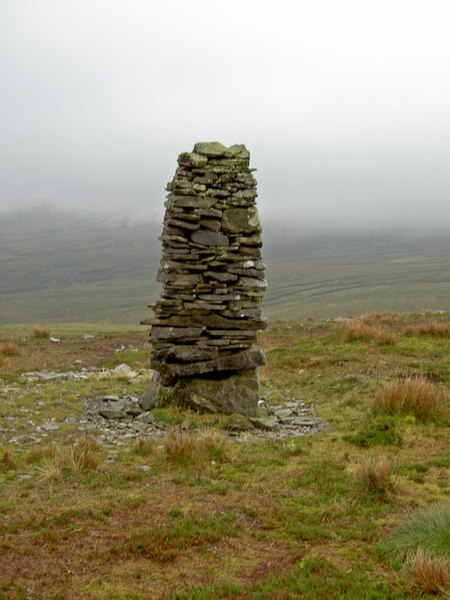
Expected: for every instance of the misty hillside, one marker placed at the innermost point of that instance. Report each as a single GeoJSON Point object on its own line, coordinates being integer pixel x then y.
{"type": "Point", "coordinates": [59, 266]}
{"type": "Point", "coordinates": [44, 249]}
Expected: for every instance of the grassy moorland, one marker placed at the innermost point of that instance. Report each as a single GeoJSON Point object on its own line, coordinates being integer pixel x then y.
{"type": "Point", "coordinates": [360, 510]}
{"type": "Point", "coordinates": [61, 267]}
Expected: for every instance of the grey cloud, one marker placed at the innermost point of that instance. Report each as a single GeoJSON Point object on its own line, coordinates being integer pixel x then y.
{"type": "Point", "coordinates": [344, 106]}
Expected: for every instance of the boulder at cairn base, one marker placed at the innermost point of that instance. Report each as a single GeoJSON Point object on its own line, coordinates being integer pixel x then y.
{"type": "Point", "coordinates": [204, 331]}
{"type": "Point", "coordinates": [226, 393]}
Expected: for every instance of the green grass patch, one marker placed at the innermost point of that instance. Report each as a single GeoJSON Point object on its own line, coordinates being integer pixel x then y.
{"type": "Point", "coordinates": [427, 528]}
{"type": "Point", "coordinates": [165, 543]}
{"type": "Point", "coordinates": [381, 431]}
{"type": "Point", "coordinates": [327, 478]}
{"type": "Point", "coordinates": [313, 579]}
{"type": "Point", "coordinates": [316, 578]}
{"type": "Point", "coordinates": [220, 591]}
{"type": "Point", "coordinates": [134, 358]}
{"type": "Point", "coordinates": [417, 471]}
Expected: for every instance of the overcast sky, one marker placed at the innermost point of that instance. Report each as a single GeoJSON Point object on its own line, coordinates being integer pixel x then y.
{"type": "Point", "coordinates": [344, 105]}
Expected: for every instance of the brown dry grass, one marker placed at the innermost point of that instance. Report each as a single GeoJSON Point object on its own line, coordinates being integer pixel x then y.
{"type": "Point", "coordinates": [374, 475]}
{"type": "Point", "coordinates": [76, 458]}
{"type": "Point", "coordinates": [36, 454]}
{"type": "Point", "coordinates": [6, 462]}
{"type": "Point", "coordinates": [9, 349]}
{"type": "Point", "coordinates": [83, 455]}
{"type": "Point", "coordinates": [41, 332]}
{"type": "Point", "coordinates": [144, 447]}
{"type": "Point", "coordinates": [4, 363]}
{"type": "Point", "coordinates": [185, 447]}
{"type": "Point", "coordinates": [415, 396]}
{"type": "Point", "coordinates": [358, 330]}
{"type": "Point", "coordinates": [214, 445]}
{"type": "Point", "coordinates": [384, 318]}
{"type": "Point", "coordinates": [428, 574]}
{"type": "Point", "coordinates": [434, 328]}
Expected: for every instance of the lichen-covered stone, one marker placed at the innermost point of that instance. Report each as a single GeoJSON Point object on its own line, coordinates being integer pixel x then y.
{"type": "Point", "coordinates": [210, 149]}
{"type": "Point", "coordinates": [241, 220]}
{"type": "Point", "coordinates": [192, 158]}
{"type": "Point", "coordinates": [238, 151]}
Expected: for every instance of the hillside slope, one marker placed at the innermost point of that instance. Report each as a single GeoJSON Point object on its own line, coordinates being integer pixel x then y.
{"type": "Point", "coordinates": [58, 266]}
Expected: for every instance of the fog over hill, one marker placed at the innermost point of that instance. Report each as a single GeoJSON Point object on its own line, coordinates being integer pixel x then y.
{"type": "Point", "coordinates": [64, 266]}
{"type": "Point", "coordinates": [45, 249]}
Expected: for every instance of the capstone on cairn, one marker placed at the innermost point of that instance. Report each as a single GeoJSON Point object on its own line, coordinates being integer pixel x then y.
{"type": "Point", "coordinates": [205, 323]}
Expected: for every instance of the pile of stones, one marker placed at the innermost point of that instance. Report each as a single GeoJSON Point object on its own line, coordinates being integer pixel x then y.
{"type": "Point", "coordinates": [206, 321]}
{"type": "Point", "coordinates": [120, 420]}
{"type": "Point", "coordinates": [115, 419]}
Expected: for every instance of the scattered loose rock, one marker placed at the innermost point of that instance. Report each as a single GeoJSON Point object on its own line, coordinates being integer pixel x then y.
{"type": "Point", "coordinates": [124, 371]}
{"type": "Point", "coordinates": [49, 427]}
{"type": "Point", "coordinates": [294, 419]}
{"type": "Point", "coordinates": [118, 420]}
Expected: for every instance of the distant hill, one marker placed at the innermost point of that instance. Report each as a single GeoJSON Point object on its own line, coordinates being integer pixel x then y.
{"type": "Point", "coordinates": [58, 266]}
{"type": "Point", "coordinates": [329, 275]}
{"type": "Point", "coordinates": [47, 249]}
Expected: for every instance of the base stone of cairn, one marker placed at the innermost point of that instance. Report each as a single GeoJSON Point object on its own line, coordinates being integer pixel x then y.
{"type": "Point", "coordinates": [206, 321]}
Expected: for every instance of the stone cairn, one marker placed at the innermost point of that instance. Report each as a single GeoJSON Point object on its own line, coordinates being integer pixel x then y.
{"type": "Point", "coordinates": [206, 320]}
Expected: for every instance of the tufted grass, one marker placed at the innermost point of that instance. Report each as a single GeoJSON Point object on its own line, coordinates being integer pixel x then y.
{"type": "Point", "coordinates": [9, 349]}
{"type": "Point", "coordinates": [432, 328]}
{"type": "Point", "coordinates": [74, 459]}
{"type": "Point", "coordinates": [373, 475]}
{"type": "Point", "coordinates": [359, 330]}
{"type": "Point", "coordinates": [416, 396]}
{"type": "Point", "coordinates": [428, 574]}
{"type": "Point", "coordinates": [426, 528]}
{"type": "Point", "coordinates": [185, 448]}
{"type": "Point", "coordinates": [41, 332]}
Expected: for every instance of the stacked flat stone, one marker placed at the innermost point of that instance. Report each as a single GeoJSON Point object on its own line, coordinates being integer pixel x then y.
{"type": "Point", "coordinates": [209, 313]}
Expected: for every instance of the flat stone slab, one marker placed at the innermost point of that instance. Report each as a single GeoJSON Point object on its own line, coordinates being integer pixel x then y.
{"type": "Point", "coordinates": [206, 237]}
{"type": "Point", "coordinates": [191, 353]}
{"type": "Point", "coordinates": [210, 149]}
{"type": "Point", "coordinates": [238, 423]}
{"type": "Point", "coordinates": [282, 413]}
{"type": "Point", "coordinates": [49, 426]}
{"type": "Point", "coordinates": [244, 360]}
{"type": "Point", "coordinates": [115, 409]}
{"type": "Point", "coordinates": [305, 422]}
{"type": "Point", "coordinates": [265, 424]}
